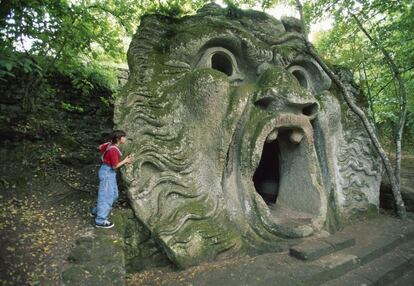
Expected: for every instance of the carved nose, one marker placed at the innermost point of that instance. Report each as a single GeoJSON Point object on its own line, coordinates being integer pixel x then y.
{"type": "Point", "coordinates": [270, 102]}
{"type": "Point", "coordinates": [281, 92]}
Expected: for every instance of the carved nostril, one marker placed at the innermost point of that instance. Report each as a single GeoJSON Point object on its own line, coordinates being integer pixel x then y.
{"type": "Point", "coordinates": [311, 109]}
{"type": "Point", "coordinates": [264, 102]}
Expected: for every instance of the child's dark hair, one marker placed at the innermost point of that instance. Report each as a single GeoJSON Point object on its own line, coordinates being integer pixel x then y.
{"type": "Point", "coordinates": [116, 135]}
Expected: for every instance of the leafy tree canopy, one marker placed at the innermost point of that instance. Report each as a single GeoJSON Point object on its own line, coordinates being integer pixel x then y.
{"type": "Point", "coordinates": [390, 24]}
{"type": "Point", "coordinates": [67, 34]}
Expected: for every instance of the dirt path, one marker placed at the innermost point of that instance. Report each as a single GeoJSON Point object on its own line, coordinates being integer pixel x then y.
{"type": "Point", "coordinates": [41, 215]}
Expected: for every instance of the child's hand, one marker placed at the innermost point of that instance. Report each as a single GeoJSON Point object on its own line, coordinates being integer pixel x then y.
{"type": "Point", "coordinates": [129, 159]}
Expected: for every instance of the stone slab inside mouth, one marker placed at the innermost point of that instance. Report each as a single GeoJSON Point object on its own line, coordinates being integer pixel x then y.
{"type": "Point", "coordinates": [283, 179]}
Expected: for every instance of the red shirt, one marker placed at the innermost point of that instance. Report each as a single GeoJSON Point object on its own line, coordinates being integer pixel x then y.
{"type": "Point", "coordinates": [112, 154]}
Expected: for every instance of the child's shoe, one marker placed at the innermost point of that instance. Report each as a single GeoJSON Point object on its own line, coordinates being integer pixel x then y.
{"type": "Point", "coordinates": [105, 224]}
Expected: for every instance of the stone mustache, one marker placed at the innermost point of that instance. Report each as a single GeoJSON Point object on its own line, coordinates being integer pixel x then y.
{"type": "Point", "coordinates": [240, 141]}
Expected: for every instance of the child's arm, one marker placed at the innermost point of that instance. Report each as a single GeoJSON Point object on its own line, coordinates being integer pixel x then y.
{"type": "Point", "coordinates": [128, 160]}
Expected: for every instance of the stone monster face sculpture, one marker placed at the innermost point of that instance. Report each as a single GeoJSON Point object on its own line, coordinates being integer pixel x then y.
{"type": "Point", "coordinates": [239, 145]}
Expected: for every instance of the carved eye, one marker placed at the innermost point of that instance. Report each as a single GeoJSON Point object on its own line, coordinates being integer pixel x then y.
{"type": "Point", "coordinates": [301, 75]}
{"type": "Point", "coordinates": [223, 60]}
{"type": "Point", "coordinates": [310, 75]}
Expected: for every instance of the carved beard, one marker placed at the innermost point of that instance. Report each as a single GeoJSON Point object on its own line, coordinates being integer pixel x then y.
{"type": "Point", "coordinates": [233, 152]}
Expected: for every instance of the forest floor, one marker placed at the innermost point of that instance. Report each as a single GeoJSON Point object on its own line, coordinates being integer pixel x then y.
{"type": "Point", "coordinates": [43, 209]}
{"type": "Point", "coordinates": [45, 196]}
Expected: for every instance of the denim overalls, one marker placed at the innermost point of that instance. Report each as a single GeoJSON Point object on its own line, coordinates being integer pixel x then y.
{"type": "Point", "coordinates": [107, 194]}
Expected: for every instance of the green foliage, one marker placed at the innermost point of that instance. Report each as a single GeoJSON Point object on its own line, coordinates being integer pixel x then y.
{"type": "Point", "coordinates": [390, 23]}
{"type": "Point", "coordinates": [264, 4]}
{"type": "Point", "coordinates": [76, 37]}
{"type": "Point", "coordinates": [86, 77]}
{"type": "Point", "coordinates": [72, 37]}
{"type": "Point", "coordinates": [11, 61]}
{"type": "Point", "coordinates": [87, 30]}
{"type": "Point", "coordinates": [105, 101]}
{"type": "Point", "coordinates": [63, 30]}
{"type": "Point", "coordinates": [174, 8]}
{"type": "Point", "coordinates": [71, 107]}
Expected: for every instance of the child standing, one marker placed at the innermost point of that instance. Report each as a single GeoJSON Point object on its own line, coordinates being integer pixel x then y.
{"type": "Point", "coordinates": [108, 188]}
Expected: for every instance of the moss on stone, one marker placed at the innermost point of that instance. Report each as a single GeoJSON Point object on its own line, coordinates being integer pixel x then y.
{"type": "Point", "coordinates": [334, 219]}
{"type": "Point", "coordinates": [140, 249]}
{"type": "Point", "coordinates": [286, 83]}
{"type": "Point", "coordinates": [79, 254]}
{"type": "Point", "coordinates": [372, 211]}
{"type": "Point", "coordinates": [120, 218]}
{"type": "Point", "coordinates": [204, 244]}
{"type": "Point", "coordinates": [289, 51]}
{"type": "Point", "coordinates": [74, 275]}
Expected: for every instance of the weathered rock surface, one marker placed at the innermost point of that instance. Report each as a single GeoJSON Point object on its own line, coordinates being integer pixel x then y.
{"type": "Point", "coordinates": [104, 256]}
{"type": "Point", "coordinates": [240, 141]}
{"type": "Point", "coordinates": [97, 259]}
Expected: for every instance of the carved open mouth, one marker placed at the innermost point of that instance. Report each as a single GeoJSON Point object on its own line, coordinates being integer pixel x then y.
{"type": "Point", "coordinates": [273, 178]}
{"type": "Point", "coordinates": [287, 176]}
{"type": "Point", "coordinates": [281, 178]}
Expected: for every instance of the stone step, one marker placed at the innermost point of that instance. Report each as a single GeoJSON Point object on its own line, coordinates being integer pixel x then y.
{"type": "Point", "coordinates": [383, 270]}
{"type": "Point", "coordinates": [369, 248]}
{"type": "Point", "coordinates": [96, 259]}
{"type": "Point", "coordinates": [313, 249]}
{"type": "Point", "coordinates": [326, 268]}
{"type": "Point", "coordinates": [373, 239]}
{"type": "Point", "coordinates": [405, 280]}
{"type": "Point", "coordinates": [366, 249]}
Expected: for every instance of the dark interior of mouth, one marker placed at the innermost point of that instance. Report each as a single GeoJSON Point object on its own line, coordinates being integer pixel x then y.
{"type": "Point", "coordinates": [267, 175]}
{"type": "Point", "coordinates": [284, 180]}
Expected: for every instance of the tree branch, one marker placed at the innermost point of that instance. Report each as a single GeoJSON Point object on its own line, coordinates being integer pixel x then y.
{"type": "Point", "coordinates": [403, 97]}
{"type": "Point", "coordinates": [400, 208]}
{"type": "Point", "coordinates": [370, 100]}
{"type": "Point", "coordinates": [383, 87]}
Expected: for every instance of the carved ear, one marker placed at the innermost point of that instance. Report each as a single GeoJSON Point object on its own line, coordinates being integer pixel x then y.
{"type": "Point", "coordinates": [309, 74]}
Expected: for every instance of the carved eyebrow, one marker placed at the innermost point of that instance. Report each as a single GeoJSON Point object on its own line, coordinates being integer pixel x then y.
{"type": "Point", "coordinates": [228, 41]}
{"type": "Point", "coordinates": [255, 53]}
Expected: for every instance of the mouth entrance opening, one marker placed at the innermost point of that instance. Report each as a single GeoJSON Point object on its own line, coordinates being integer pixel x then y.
{"type": "Point", "coordinates": [267, 175]}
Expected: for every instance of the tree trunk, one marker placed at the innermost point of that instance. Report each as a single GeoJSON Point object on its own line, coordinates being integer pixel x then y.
{"type": "Point", "coordinates": [400, 208]}
{"type": "Point", "coordinates": [370, 99]}
{"type": "Point", "coordinates": [299, 6]}
{"type": "Point", "coordinates": [403, 98]}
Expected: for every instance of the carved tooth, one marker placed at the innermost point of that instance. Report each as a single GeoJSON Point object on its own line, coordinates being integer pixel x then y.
{"type": "Point", "coordinates": [296, 136]}
{"type": "Point", "coordinates": [272, 136]}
